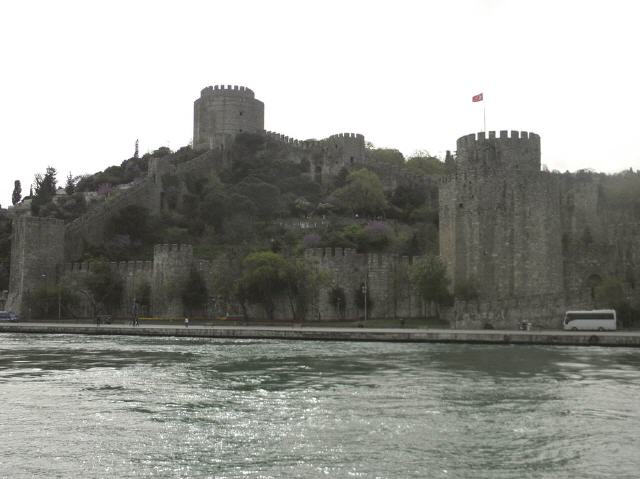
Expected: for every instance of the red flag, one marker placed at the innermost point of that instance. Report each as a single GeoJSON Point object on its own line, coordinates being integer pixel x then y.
{"type": "Point", "coordinates": [477, 97]}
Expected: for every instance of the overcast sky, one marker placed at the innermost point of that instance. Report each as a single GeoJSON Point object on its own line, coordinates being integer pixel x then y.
{"type": "Point", "coordinates": [82, 80]}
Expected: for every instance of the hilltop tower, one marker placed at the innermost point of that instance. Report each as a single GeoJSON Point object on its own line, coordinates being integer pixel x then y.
{"type": "Point", "coordinates": [222, 112]}
{"type": "Point", "coordinates": [499, 217]}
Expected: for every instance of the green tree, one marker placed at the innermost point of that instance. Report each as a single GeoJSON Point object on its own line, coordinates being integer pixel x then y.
{"type": "Point", "coordinates": [265, 196]}
{"type": "Point", "coordinates": [264, 278]}
{"type": "Point", "coordinates": [215, 208]}
{"type": "Point", "coordinates": [45, 189]}
{"type": "Point", "coordinates": [302, 282]}
{"type": "Point", "coordinates": [194, 293]}
{"type": "Point", "coordinates": [429, 277]}
{"type": "Point", "coordinates": [103, 287]}
{"type": "Point", "coordinates": [17, 192]}
{"type": "Point", "coordinates": [423, 163]}
{"type": "Point", "coordinates": [386, 156]}
{"type": "Point", "coordinates": [70, 186]}
{"type": "Point", "coordinates": [46, 301]}
{"type": "Point", "coordinates": [134, 221]}
{"type": "Point", "coordinates": [45, 185]}
{"type": "Point", "coordinates": [363, 193]}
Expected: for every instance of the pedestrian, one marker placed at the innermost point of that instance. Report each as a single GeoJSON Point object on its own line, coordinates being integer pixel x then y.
{"type": "Point", "coordinates": [186, 322]}
{"type": "Point", "coordinates": [134, 314]}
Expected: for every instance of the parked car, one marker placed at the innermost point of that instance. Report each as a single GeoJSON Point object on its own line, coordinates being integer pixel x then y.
{"type": "Point", "coordinates": [8, 316]}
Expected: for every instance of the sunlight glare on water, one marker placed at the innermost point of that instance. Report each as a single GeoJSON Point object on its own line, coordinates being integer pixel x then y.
{"type": "Point", "coordinates": [78, 406]}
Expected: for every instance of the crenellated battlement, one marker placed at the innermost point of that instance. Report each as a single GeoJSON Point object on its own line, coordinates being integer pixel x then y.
{"type": "Point", "coordinates": [38, 220]}
{"type": "Point", "coordinates": [349, 255]}
{"type": "Point", "coordinates": [340, 138]}
{"type": "Point", "coordinates": [292, 141]}
{"type": "Point", "coordinates": [121, 267]}
{"type": "Point", "coordinates": [510, 139]}
{"type": "Point", "coordinates": [227, 90]}
{"type": "Point", "coordinates": [172, 249]}
{"type": "Point", "coordinates": [329, 252]}
{"type": "Point", "coordinates": [346, 136]}
{"type": "Point", "coordinates": [509, 153]}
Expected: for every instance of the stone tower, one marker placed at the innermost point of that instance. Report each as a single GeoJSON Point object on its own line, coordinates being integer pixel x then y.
{"type": "Point", "coordinates": [499, 217]}
{"type": "Point", "coordinates": [222, 112]}
{"type": "Point", "coordinates": [37, 247]}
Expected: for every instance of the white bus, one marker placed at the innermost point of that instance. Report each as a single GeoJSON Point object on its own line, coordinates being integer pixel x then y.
{"type": "Point", "coordinates": [595, 320]}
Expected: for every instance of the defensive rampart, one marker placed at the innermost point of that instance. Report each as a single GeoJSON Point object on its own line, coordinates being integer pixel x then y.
{"type": "Point", "coordinates": [90, 227]}
{"type": "Point", "coordinates": [389, 291]}
{"type": "Point", "coordinates": [37, 248]}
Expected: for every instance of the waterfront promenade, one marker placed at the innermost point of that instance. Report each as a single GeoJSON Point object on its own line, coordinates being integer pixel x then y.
{"type": "Point", "coordinates": [548, 337]}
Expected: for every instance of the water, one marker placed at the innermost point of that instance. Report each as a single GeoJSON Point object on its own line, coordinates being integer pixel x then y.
{"type": "Point", "coordinates": [77, 406]}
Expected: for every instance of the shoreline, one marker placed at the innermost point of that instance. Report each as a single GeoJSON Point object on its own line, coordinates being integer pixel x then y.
{"type": "Point", "coordinates": [310, 333]}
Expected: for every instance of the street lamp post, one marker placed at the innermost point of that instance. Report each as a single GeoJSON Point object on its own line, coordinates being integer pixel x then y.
{"type": "Point", "coordinates": [364, 292]}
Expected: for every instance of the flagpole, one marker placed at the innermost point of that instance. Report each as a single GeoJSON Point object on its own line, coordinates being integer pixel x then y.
{"type": "Point", "coordinates": [484, 118]}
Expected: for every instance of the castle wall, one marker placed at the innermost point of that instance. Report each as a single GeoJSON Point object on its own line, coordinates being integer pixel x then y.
{"type": "Point", "coordinates": [386, 276]}
{"type": "Point", "coordinates": [90, 227]}
{"type": "Point", "coordinates": [447, 237]}
{"type": "Point", "coordinates": [344, 150]}
{"type": "Point", "coordinates": [542, 311]}
{"type": "Point", "coordinates": [37, 247]}
{"type": "Point", "coordinates": [598, 240]}
{"type": "Point", "coordinates": [222, 112]}
{"type": "Point", "coordinates": [536, 243]}
{"type": "Point", "coordinates": [133, 274]}
{"type": "Point", "coordinates": [171, 267]}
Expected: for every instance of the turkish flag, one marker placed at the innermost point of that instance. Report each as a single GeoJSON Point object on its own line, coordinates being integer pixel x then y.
{"type": "Point", "coordinates": [477, 97]}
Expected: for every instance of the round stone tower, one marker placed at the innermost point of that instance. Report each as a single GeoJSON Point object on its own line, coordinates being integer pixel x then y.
{"type": "Point", "coordinates": [222, 112]}
{"type": "Point", "coordinates": [499, 223]}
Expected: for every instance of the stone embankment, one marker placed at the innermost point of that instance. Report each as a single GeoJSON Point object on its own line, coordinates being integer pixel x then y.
{"type": "Point", "coordinates": [560, 338]}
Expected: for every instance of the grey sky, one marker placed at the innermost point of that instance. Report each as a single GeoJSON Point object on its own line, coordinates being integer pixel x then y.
{"type": "Point", "coordinates": [80, 81]}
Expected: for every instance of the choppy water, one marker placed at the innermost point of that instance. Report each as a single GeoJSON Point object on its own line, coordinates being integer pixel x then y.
{"type": "Point", "coordinates": [74, 406]}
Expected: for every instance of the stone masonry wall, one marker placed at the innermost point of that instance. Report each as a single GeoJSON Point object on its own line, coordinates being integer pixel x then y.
{"type": "Point", "coordinates": [171, 267]}
{"type": "Point", "coordinates": [133, 274]}
{"type": "Point", "coordinates": [37, 247]}
{"type": "Point", "coordinates": [328, 156]}
{"type": "Point", "coordinates": [90, 227]}
{"type": "Point", "coordinates": [500, 221]}
{"type": "Point", "coordinates": [389, 290]}
{"type": "Point", "coordinates": [543, 311]}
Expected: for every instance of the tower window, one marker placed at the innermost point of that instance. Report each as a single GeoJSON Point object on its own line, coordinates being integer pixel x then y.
{"type": "Point", "coordinates": [352, 160]}
{"type": "Point", "coordinates": [241, 113]}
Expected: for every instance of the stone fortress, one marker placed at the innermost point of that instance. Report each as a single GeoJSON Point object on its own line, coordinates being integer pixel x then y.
{"type": "Point", "coordinates": [534, 243]}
